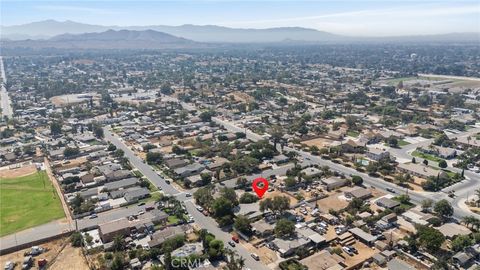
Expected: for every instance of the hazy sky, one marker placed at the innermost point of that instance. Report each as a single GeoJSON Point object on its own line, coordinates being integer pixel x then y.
{"type": "Point", "coordinates": [353, 17]}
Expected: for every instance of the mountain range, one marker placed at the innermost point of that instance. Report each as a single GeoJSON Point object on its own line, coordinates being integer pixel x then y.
{"type": "Point", "coordinates": [110, 39]}
{"type": "Point", "coordinates": [213, 34]}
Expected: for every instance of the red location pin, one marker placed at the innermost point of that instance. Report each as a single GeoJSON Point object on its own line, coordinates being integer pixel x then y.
{"type": "Point", "coordinates": [260, 190]}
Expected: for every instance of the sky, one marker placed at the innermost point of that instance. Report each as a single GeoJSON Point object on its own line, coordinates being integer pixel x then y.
{"type": "Point", "coordinates": [346, 17]}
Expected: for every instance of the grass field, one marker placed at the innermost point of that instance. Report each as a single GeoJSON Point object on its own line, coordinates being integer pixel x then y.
{"type": "Point", "coordinates": [26, 202]}
{"type": "Point", "coordinates": [426, 156]}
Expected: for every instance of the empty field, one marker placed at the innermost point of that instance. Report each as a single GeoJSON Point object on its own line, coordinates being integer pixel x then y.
{"type": "Point", "coordinates": [27, 201]}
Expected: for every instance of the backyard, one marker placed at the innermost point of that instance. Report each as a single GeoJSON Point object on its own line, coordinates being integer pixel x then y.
{"type": "Point", "coordinates": [27, 201]}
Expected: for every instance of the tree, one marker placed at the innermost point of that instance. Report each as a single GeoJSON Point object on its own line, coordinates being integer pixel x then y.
{"type": "Point", "coordinates": [241, 182]}
{"type": "Point", "coordinates": [427, 205]}
{"type": "Point", "coordinates": [98, 130]}
{"type": "Point", "coordinates": [404, 198]}
{"type": "Point", "coordinates": [461, 242]}
{"type": "Point", "coordinates": [206, 178]}
{"type": "Point", "coordinates": [414, 160]}
{"type": "Point", "coordinates": [222, 207]}
{"type": "Point", "coordinates": [154, 158]}
{"type": "Point", "coordinates": [248, 198]}
{"type": "Point", "coordinates": [215, 249]}
{"type": "Point", "coordinates": [284, 227]}
{"type": "Point", "coordinates": [70, 152]}
{"type": "Point", "coordinates": [444, 209]}
{"type": "Point", "coordinates": [203, 196]}
{"type": "Point", "coordinates": [111, 147]}
{"type": "Point", "coordinates": [55, 128]}
{"type": "Point", "coordinates": [243, 224]}
{"type": "Point", "coordinates": [230, 195]}
{"type": "Point", "coordinates": [166, 89]}
{"type": "Point", "coordinates": [118, 243]}
{"type": "Point", "coordinates": [392, 141]}
{"type": "Point", "coordinates": [206, 116]}
{"type": "Point", "coordinates": [357, 180]}
{"type": "Point", "coordinates": [429, 238]}
{"type": "Point", "coordinates": [442, 164]}
{"type": "Point", "coordinates": [76, 239]}
{"type": "Point", "coordinates": [118, 262]}
{"type": "Point", "coordinates": [278, 204]}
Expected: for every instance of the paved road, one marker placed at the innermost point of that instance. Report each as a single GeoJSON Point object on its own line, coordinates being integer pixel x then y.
{"type": "Point", "coordinates": [463, 189]}
{"type": "Point", "coordinates": [5, 102]}
{"type": "Point", "coordinates": [204, 222]}
{"type": "Point", "coordinates": [415, 197]}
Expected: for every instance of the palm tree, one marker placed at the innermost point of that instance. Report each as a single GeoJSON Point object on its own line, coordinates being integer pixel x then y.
{"type": "Point", "coordinates": [477, 192]}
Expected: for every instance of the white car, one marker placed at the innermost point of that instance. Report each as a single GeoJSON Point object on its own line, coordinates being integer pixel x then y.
{"type": "Point", "coordinates": [199, 208]}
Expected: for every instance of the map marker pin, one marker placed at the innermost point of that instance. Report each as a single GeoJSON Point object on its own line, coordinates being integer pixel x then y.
{"type": "Point", "coordinates": [260, 185]}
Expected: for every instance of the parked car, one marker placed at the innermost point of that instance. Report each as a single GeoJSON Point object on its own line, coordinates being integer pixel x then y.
{"type": "Point", "coordinates": [255, 256]}
{"type": "Point", "coordinates": [141, 204]}
{"type": "Point", "coordinates": [348, 251]}
{"type": "Point", "coordinates": [231, 243]}
{"type": "Point", "coordinates": [199, 208]}
{"type": "Point", "coordinates": [235, 239]}
{"type": "Point", "coordinates": [9, 265]}
{"type": "Point", "coordinates": [391, 190]}
{"type": "Point", "coordinates": [188, 194]}
{"type": "Point", "coordinates": [27, 262]}
{"type": "Point", "coordinates": [93, 216]}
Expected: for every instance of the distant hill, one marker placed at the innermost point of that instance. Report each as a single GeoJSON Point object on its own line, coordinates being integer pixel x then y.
{"type": "Point", "coordinates": [218, 34]}
{"type": "Point", "coordinates": [110, 39]}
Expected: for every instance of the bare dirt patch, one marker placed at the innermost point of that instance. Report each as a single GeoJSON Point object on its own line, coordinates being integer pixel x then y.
{"type": "Point", "coordinates": [274, 193]}
{"type": "Point", "coordinates": [319, 142]}
{"type": "Point", "coordinates": [6, 172]}
{"type": "Point", "coordinates": [53, 248]}
{"type": "Point", "coordinates": [331, 202]}
{"type": "Point", "coordinates": [266, 255]}
{"type": "Point", "coordinates": [70, 258]}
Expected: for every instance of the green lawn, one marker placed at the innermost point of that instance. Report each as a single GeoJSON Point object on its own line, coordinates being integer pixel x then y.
{"type": "Point", "coordinates": [402, 143]}
{"type": "Point", "coordinates": [353, 133]}
{"type": "Point", "coordinates": [27, 201]}
{"type": "Point", "coordinates": [426, 156]}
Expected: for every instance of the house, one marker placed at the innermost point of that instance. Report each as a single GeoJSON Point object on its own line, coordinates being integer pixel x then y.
{"type": "Point", "coordinates": [117, 175]}
{"type": "Point", "coordinates": [109, 230]}
{"type": "Point", "coordinates": [262, 228]}
{"type": "Point", "coordinates": [443, 152]}
{"type": "Point", "coordinates": [175, 163]}
{"type": "Point", "coordinates": [420, 170]}
{"type": "Point", "coordinates": [334, 182]}
{"type": "Point", "coordinates": [387, 203]}
{"type": "Point", "coordinates": [377, 154]}
{"type": "Point", "coordinates": [124, 183]}
{"type": "Point", "coordinates": [311, 172]}
{"type": "Point", "coordinates": [358, 193]}
{"type": "Point", "coordinates": [450, 230]}
{"type": "Point", "coordinates": [189, 170]}
{"type": "Point", "coordinates": [387, 221]}
{"type": "Point", "coordinates": [287, 248]}
{"type": "Point", "coordinates": [469, 141]}
{"type": "Point", "coordinates": [279, 159]}
{"type": "Point", "coordinates": [161, 236]}
{"type": "Point", "coordinates": [417, 217]}
{"type": "Point", "coordinates": [363, 236]}
{"type": "Point", "coordinates": [249, 210]}
{"type": "Point", "coordinates": [324, 260]}
{"type": "Point", "coordinates": [133, 195]}
{"type": "Point", "coordinates": [397, 264]}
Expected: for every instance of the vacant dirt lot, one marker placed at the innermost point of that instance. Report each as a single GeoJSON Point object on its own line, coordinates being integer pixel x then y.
{"type": "Point", "coordinates": [319, 142]}
{"type": "Point", "coordinates": [266, 255]}
{"type": "Point", "coordinates": [69, 258]}
{"type": "Point", "coordinates": [53, 248]}
{"type": "Point", "coordinates": [274, 193]}
{"type": "Point", "coordinates": [364, 253]}
{"type": "Point", "coordinates": [6, 172]}
{"type": "Point", "coordinates": [332, 202]}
